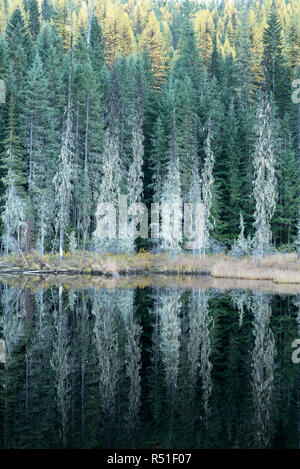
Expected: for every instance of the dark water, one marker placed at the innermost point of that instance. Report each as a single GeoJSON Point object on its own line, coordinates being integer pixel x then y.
{"type": "Point", "coordinates": [148, 368]}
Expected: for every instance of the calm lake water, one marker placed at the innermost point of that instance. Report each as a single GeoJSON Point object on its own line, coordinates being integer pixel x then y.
{"type": "Point", "coordinates": [153, 367]}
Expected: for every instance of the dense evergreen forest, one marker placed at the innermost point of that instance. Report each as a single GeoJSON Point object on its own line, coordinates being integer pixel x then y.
{"type": "Point", "coordinates": [161, 101]}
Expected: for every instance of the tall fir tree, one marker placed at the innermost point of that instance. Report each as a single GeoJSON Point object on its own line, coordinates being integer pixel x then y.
{"type": "Point", "coordinates": [276, 70]}
{"type": "Point", "coordinates": [171, 233]}
{"type": "Point", "coordinates": [264, 185]}
{"type": "Point", "coordinates": [14, 204]}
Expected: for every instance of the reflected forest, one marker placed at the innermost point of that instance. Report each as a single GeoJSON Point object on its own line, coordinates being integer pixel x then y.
{"type": "Point", "coordinates": [148, 368]}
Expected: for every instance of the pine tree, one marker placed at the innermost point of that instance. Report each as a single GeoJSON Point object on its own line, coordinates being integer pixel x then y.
{"type": "Point", "coordinates": [14, 206]}
{"type": "Point", "coordinates": [125, 73]}
{"type": "Point", "coordinates": [152, 40]}
{"type": "Point", "coordinates": [245, 63]}
{"type": "Point", "coordinates": [194, 198]}
{"type": "Point", "coordinates": [88, 140]}
{"type": "Point", "coordinates": [50, 50]}
{"type": "Point", "coordinates": [186, 121]}
{"type": "Point", "coordinates": [112, 175]}
{"type": "Point", "coordinates": [188, 62]}
{"type": "Point", "coordinates": [264, 190]}
{"type": "Point", "coordinates": [38, 128]}
{"type": "Point", "coordinates": [171, 235]}
{"type": "Point", "coordinates": [235, 172]}
{"type": "Point", "coordinates": [285, 217]}
{"type": "Point", "coordinates": [277, 74]}
{"type": "Point", "coordinates": [135, 176]}
{"type": "Point", "coordinates": [20, 49]}
{"type": "Point", "coordinates": [158, 163]}
{"type": "Point", "coordinates": [63, 176]}
{"type": "Point", "coordinates": [35, 115]}
{"type": "Point", "coordinates": [207, 185]}
{"type": "Point", "coordinates": [241, 245]}
{"type": "Point", "coordinates": [34, 21]}
{"type": "Point", "coordinates": [63, 180]}
{"type": "Point", "coordinates": [96, 45]}
{"type": "Point", "coordinates": [47, 10]}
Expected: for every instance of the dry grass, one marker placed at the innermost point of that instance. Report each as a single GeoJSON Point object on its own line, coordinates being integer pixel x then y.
{"type": "Point", "coordinates": [278, 268]}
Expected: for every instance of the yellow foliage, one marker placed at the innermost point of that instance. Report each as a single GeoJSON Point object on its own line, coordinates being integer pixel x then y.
{"type": "Point", "coordinates": [117, 34]}
{"type": "Point", "coordinates": [152, 40]}
{"type": "Point", "coordinates": [204, 29]}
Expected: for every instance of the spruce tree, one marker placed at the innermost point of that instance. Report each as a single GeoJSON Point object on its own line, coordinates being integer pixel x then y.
{"type": "Point", "coordinates": [186, 119]}
{"type": "Point", "coordinates": [39, 134]}
{"type": "Point", "coordinates": [195, 197]}
{"type": "Point", "coordinates": [135, 176]}
{"type": "Point", "coordinates": [112, 175]}
{"type": "Point", "coordinates": [189, 61]}
{"type": "Point", "coordinates": [63, 176]}
{"type": "Point", "coordinates": [14, 203]}
{"type": "Point", "coordinates": [171, 234]}
{"type": "Point", "coordinates": [34, 21]}
{"type": "Point", "coordinates": [158, 163]}
{"type": "Point", "coordinates": [285, 217]}
{"type": "Point", "coordinates": [20, 50]}
{"type": "Point", "coordinates": [276, 70]}
{"type": "Point", "coordinates": [264, 184]}
{"type": "Point", "coordinates": [208, 185]}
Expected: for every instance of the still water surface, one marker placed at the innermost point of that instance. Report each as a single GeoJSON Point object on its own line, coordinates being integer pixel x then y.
{"type": "Point", "coordinates": [148, 367]}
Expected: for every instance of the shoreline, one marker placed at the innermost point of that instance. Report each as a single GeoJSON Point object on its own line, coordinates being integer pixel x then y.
{"type": "Point", "coordinates": [278, 268]}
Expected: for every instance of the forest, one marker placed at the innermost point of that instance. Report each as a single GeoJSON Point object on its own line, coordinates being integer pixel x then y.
{"type": "Point", "coordinates": [162, 101]}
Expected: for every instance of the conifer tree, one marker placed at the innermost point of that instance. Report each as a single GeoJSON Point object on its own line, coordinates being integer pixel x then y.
{"type": "Point", "coordinates": [235, 172]}
{"type": "Point", "coordinates": [63, 176]}
{"type": "Point", "coordinates": [171, 235]}
{"type": "Point", "coordinates": [194, 198]}
{"type": "Point", "coordinates": [241, 246]}
{"type": "Point", "coordinates": [285, 217]}
{"type": "Point", "coordinates": [245, 62]}
{"type": "Point", "coordinates": [96, 45]}
{"type": "Point", "coordinates": [50, 50]}
{"type": "Point", "coordinates": [189, 61]}
{"type": "Point", "coordinates": [264, 190]}
{"type": "Point", "coordinates": [207, 185]}
{"type": "Point", "coordinates": [112, 176]}
{"type": "Point", "coordinates": [38, 126]}
{"type": "Point", "coordinates": [186, 121]}
{"type": "Point", "coordinates": [152, 40]}
{"type": "Point", "coordinates": [20, 49]}
{"type": "Point", "coordinates": [47, 10]}
{"type": "Point", "coordinates": [274, 62]}
{"type": "Point", "coordinates": [158, 163]}
{"type": "Point", "coordinates": [34, 22]}
{"type": "Point", "coordinates": [135, 176]}
{"type": "Point", "coordinates": [14, 205]}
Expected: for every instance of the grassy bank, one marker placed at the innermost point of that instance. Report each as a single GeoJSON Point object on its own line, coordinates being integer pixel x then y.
{"type": "Point", "coordinates": [279, 268]}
